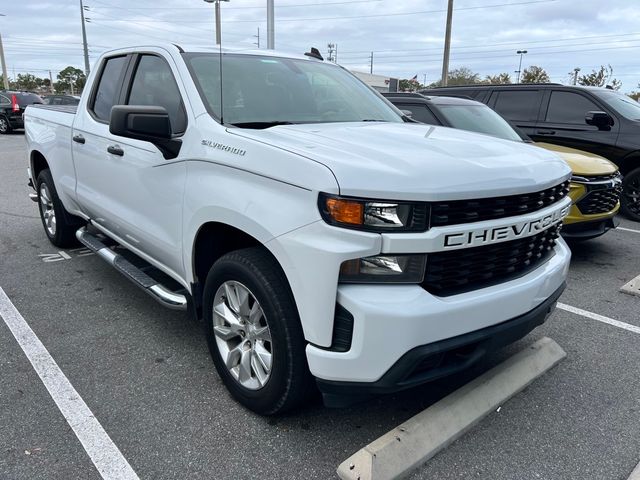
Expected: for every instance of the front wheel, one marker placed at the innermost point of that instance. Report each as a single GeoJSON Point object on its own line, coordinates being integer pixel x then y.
{"type": "Point", "coordinates": [630, 198]}
{"type": "Point", "coordinates": [59, 225]}
{"type": "Point", "coordinates": [254, 334]}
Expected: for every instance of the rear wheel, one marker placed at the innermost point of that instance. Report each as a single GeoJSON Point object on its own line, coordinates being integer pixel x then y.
{"type": "Point", "coordinates": [59, 225]}
{"type": "Point", "coordinates": [5, 126]}
{"type": "Point", "coordinates": [254, 332]}
{"type": "Point", "coordinates": [630, 198]}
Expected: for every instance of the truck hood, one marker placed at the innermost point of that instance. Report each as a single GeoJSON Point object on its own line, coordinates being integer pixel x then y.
{"type": "Point", "coordinates": [407, 161]}
{"type": "Point", "coordinates": [581, 162]}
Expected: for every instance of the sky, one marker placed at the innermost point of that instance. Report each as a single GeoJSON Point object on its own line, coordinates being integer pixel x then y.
{"type": "Point", "coordinates": [406, 37]}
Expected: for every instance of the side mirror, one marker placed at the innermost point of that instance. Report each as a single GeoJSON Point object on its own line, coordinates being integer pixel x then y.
{"type": "Point", "coordinates": [602, 120]}
{"type": "Point", "coordinates": [150, 124]}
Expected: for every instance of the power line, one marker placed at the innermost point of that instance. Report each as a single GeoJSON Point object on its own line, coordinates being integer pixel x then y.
{"type": "Point", "coordinates": [248, 7]}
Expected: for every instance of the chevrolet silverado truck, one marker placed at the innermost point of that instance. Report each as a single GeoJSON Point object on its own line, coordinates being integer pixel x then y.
{"type": "Point", "coordinates": [321, 237]}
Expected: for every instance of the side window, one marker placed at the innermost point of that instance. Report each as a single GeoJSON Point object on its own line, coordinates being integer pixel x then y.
{"type": "Point", "coordinates": [518, 105]}
{"type": "Point", "coordinates": [569, 107]}
{"type": "Point", "coordinates": [421, 113]}
{"type": "Point", "coordinates": [154, 85]}
{"type": "Point", "coordinates": [56, 101]}
{"type": "Point", "coordinates": [108, 87]}
{"type": "Point", "coordinates": [4, 100]}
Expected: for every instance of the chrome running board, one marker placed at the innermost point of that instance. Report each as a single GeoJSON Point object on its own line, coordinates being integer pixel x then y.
{"type": "Point", "coordinates": [166, 297]}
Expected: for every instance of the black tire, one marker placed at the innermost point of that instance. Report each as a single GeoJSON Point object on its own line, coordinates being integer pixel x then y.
{"type": "Point", "coordinates": [630, 198]}
{"type": "Point", "coordinates": [5, 126]}
{"type": "Point", "coordinates": [66, 225]}
{"type": "Point", "coordinates": [289, 382]}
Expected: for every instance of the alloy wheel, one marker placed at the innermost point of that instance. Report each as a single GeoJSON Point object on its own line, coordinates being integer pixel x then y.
{"type": "Point", "coordinates": [4, 125]}
{"type": "Point", "coordinates": [632, 195]}
{"type": "Point", "coordinates": [242, 335]}
{"type": "Point", "coordinates": [47, 210]}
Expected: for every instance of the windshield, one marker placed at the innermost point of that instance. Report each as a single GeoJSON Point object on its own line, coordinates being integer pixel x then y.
{"type": "Point", "coordinates": [261, 91]}
{"type": "Point", "coordinates": [623, 104]}
{"type": "Point", "coordinates": [479, 118]}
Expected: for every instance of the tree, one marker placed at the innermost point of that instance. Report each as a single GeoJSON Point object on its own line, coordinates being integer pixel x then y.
{"type": "Point", "coordinates": [600, 77]}
{"type": "Point", "coordinates": [409, 85]}
{"type": "Point", "coordinates": [635, 94]}
{"type": "Point", "coordinates": [70, 75]}
{"type": "Point", "coordinates": [499, 79]}
{"type": "Point", "coordinates": [27, 81]}
{"type": "Point", "coordinates": [460, 76]}
{"type": "Point", "coordinates": [534, 74]}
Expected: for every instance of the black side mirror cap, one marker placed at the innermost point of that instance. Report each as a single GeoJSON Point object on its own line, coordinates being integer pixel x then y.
{"type": "Point", "coordinates": [147, 123]}
{"type": "Point", "coordinates": [602, 120]}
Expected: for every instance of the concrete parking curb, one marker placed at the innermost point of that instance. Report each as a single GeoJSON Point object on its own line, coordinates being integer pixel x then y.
{"type": "Point", "coordinates": [418, 439]}
{"type": "Point", "coordinates": [633, 287]}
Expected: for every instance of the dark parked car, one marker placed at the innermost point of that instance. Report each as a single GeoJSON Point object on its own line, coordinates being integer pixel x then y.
{"type": "Point", "coordinates": [595, 185]}
{"type": "Point", "coordinates": [61, 100]}
{"type": "Point", "coordinates": [12, 105]}
{"type": "Point", "coordinates": [598, 120]}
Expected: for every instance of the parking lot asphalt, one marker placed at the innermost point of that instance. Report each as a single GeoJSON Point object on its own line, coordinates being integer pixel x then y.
{"type": "Point", "coordinates": [146, 375]}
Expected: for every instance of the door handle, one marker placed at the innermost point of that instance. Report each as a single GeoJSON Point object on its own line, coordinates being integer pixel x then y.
{"type": "Point", "coordinates": [79, 139]}
{"type": "Point", "coordinates": [546, 132]}
{"type": "Point", "coordinates": [115, 150]}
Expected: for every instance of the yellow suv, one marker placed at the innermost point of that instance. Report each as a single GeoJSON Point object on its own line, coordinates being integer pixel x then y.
{"type": "Point", "coordinates": [596, 183]}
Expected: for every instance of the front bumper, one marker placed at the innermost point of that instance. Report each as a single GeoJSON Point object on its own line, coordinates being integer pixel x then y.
{"type": "Point", "coordinates": [588, 229]}
{"type": "Point", "coordinates": [439, 359]}
{"type": "Point", "coordinates": [391, 320]}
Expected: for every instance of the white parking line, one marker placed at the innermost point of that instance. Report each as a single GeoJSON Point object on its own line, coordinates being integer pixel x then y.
{"type": "Point", "coordinates": [103, 452]}
{"type": "Point", "coordinates": [599, 318]}
{"type": "Point", "coordinates": [628, 230]}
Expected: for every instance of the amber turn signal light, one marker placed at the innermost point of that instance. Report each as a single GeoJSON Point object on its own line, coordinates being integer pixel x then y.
{"type": "Point", "coordinates": [345, 211]}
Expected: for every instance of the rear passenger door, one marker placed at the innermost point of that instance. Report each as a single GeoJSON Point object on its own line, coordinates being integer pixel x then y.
{"type": "Point", "coordinates": [127, 185]}
{"type": "Point", "coordinates": [519, 107]}
{"type": "Point", "coordinates": [563, 123]}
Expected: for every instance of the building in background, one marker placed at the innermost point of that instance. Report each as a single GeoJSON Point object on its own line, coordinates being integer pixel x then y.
{"type": "Point", "coordinates": [379, 82]}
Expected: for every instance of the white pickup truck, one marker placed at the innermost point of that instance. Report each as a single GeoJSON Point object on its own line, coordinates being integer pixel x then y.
{"type": "Point", "coordinates": [318, 233]}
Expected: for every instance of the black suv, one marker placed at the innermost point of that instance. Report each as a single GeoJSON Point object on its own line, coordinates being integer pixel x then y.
{"type": "Point", "coordinates": [12, 105]}
{"type": "Point", "coordinates": [597, 120]}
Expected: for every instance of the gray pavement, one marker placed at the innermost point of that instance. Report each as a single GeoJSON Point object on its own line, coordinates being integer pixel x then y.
{"type": "Point", "coordinates": [146, 374]}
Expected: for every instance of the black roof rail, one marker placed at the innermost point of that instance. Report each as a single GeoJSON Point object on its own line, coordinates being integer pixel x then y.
{"type": "Point", "coordinates": [180, 49]}
{"type": "Point", "coordinates": [480, 85]}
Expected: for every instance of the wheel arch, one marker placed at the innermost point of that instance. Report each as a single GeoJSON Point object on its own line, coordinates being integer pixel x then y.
{"type": "Point", "coordinates": [38, 163]}
{"type": "Point", "coordinates": [630, 162]}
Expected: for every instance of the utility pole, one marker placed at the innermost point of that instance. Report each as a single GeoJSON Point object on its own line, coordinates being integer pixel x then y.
{"type": "Point", "coordinates": [447, 45]}
{"type": "Point", "coordinates": [271, 36]}
{"type": "Point", "coordinates": [5, 78]}
{"type": "Point", "coordinates": [258, 37]}
{"type": "Point", "coordinates": [371, 66]}
{"type": "Point", "coordinates": [50, 81]}
{"type": "Point", "coordinates": [575, 75]}
{"type": "Point", "coordinates": [333, 52]}
{"type": "Point", "coordinates": [84, 41]}
{"type": "Point", "coordinates": [424, 81]}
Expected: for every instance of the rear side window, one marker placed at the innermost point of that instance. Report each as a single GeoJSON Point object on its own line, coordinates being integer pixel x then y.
{"type": "Point", "coordinates": [518, 105]}
{"type": "Point", "coordinates": [569, 107]}
{"type": "Point", "coordinates": [25, 99]}
{"type": "Point", "coordinates": [4, 100]}
{"type": "Point", "coordinates": [154, 85]}
{"type": "Point", "coordinates": [108, 87]}
{"type": "Point", "coordinates": [420, 113]}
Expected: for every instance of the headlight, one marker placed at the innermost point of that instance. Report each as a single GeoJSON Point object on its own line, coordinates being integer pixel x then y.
{"type": "Point", "coordinates": [373, 215]}
{"type": "Point", "coordinates": [384, 269]}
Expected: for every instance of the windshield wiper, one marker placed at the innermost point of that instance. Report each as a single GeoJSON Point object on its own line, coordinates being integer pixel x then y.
{"type": "Point", "coordinates": [372, 120]}
{"type": "Point", "coordinates": [261, 125]}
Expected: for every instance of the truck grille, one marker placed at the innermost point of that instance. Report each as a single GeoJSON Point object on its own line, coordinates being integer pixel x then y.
{"type": "Point", "coordinates": [467, 211]}
{"type": "Point", "coordinates": [600, 201]}
{"type": "Point", "coordinates": [459, 271]}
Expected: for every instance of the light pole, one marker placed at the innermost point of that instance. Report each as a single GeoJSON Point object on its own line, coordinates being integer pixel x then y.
{"type": "Point", "coordinates": [271, 29]}
{"type": "Point", "coordinates": [84, 40]}
{"type": "Point", "coordinates": [575, 75]}
{"type": "Point", "coordinates": [521, 53]}
{"type": "Point", "coordinates": [218, 29]}
{"type": "Point", "coordinates": [5, 78]}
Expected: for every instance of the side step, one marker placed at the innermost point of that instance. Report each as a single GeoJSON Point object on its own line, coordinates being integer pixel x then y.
{"type": "Point", "coordinates": [166, 297]}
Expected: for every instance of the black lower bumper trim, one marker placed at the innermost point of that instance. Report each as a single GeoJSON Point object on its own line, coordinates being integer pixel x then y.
{"type": "Point", "coordinates": [439, 359]}
{"type": "Point", "coordinates": [588, 230]}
